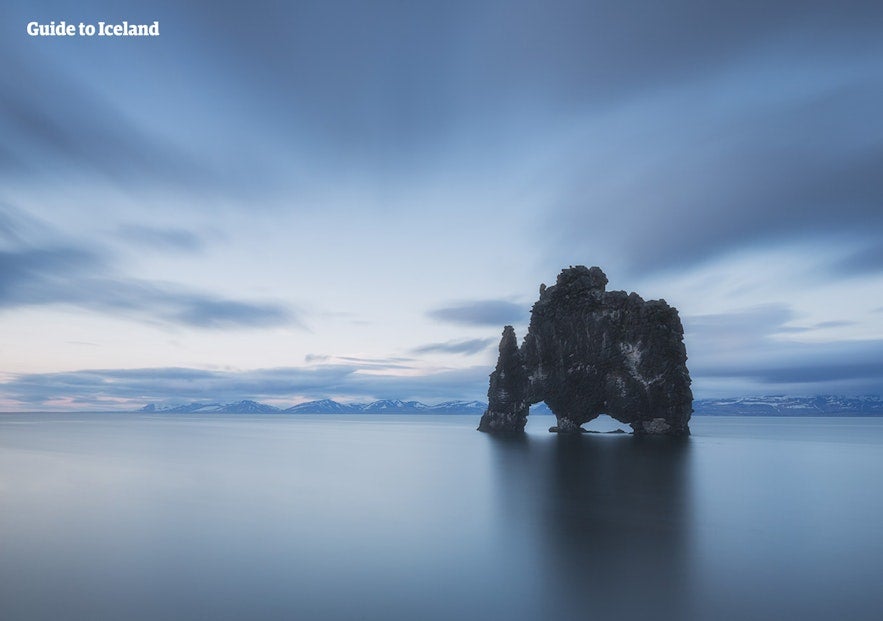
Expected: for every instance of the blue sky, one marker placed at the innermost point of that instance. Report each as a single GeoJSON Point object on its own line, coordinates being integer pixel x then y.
{"type": "Point", "coordinates": [286, 201]}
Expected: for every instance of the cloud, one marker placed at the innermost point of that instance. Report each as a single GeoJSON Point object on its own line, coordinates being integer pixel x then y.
{"type": "Point", "coordinates": [810, 372]}
{"type": "Point", "coordinates": [148, 135]}
{"type": "Point", "coordinates": [765, 133]}
{"type": "Point", "coordinates": [751, 348]}
{"type": "Point", "coordinates": [375, 360]}
{"type": "Point", "coordinates": [836, 323]}
{"type": "Point", "coordinates": [39, 278]}
{"type": "Point", "coordinates": [695, 127]}
{"type": "Point", "coordinates": [202, 311]}
{"type": "Point", "coordinates": [105, 388]}
{"type": "Point", "coordinates": [310, 358]}
{"type": "Point", "coordinates": [386, 83]}
{"type": "Point", "coordinates": [365, 363]}
{"type": "Point", "coordinates": [390, 79]}
{"type": "Point", "coordinates": [867, 260]}
{"type": "Point", "coordinates": [21, 269]}
{"type": "Point", "coordinates": [466, 347]}
{"type": "Point", "coordinates": [481, 313]}
{"type": "Point", "coordinates": [56, 125]}
{"type": "Point", "coordinates": [83, 277]}
{"type": "Point", "coordinates": [740, 329]}
{"type": "Point", "coordinates": [716, 181]}
{"type": "Point", "coordinates": [160, 238]}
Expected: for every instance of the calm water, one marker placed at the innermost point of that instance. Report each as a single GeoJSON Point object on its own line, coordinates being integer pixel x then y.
{"type": "Point", "coordinates": [422, 518]}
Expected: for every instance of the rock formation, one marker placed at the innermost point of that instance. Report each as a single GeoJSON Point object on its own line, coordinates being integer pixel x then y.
{"type": "Point", "coordinates": [589, 352]}
{"type": "Point", "coordinates": [507, 395]}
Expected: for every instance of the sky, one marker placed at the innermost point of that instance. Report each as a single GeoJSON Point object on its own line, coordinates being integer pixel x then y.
{"type": "Point", "coordinates": [286, 201]}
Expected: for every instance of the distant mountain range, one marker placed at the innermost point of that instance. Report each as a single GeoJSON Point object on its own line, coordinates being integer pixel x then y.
{"type": "Point", "coordinates": [824, 405]}
{"type": "Point", "coordinates": [240, 407]}
{"type": "Point", "coordinates": [325, 406]}
{"type": "Point", "coordinates": [387, 406]}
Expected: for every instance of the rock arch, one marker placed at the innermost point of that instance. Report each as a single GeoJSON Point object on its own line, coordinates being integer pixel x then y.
{"type": "Point", "coordinates": [588, 352]}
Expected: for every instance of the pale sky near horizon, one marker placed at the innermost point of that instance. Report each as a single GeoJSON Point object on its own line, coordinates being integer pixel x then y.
{"type": "Point", "coordinates": [288, 201]}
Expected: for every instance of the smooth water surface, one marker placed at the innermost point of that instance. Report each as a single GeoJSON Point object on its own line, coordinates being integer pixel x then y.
{"type": "Point", "coordinates": [125, 516]}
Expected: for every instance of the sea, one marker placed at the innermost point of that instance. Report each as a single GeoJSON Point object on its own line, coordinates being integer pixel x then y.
{"type": "Point", "coordinates": [422, 518]}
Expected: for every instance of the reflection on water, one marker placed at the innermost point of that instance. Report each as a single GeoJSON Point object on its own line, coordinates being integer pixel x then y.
{"type": "Point", "coordinates": [133, 517]}
{"type": "Point", "coordinates": [609, 517]}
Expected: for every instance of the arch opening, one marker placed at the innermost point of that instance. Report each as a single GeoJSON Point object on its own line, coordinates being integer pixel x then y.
{"type": "Point", "coordinates": [604, 423]}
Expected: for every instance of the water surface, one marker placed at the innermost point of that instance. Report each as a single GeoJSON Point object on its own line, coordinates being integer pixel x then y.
{"type": "Point", "coordinates": [112, 516]}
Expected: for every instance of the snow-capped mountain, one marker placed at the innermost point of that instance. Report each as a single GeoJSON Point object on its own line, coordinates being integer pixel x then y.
{"type": "Point", "coordinates": [240, 407]}
{"type": "Point", "coordinates": [323, 406]}
{"type": "Point", "coordinates": [183, 409]}
{"type": "Point", "coordinates": [822, 405]}
{"type": "Point", "coordinates": [248, 407]}
{"type": "Point", "coordinates": [459, 406]}
{"type": "Point", "coordinates": [326, 406]}
{"type": "Point", "coordinates": [393, 406]}
{"type": "Point", "coordinates": [388, 406]}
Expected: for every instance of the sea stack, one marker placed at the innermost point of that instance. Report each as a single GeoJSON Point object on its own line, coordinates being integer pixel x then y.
{"type": "Point", "coordinates": [589, 352]}
{"type": "Point", "coordinates": [507, 395]}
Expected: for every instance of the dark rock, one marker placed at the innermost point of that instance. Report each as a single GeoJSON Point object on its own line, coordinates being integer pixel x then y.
{"type": "Point", "coordinates": [590, 352]}
{"type": "Point", "coordinates": [507, 394]}
{"type": "Point", "coordinates": [569, 428]}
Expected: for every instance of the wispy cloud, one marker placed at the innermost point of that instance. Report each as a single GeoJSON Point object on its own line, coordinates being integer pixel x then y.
{"type": "Point", "coordinates": [84, 277]}
{"type": "Point", "coordinates": [482, 313]}
{"type": "Point", "coordinates": [174, 239]}
{"type": "Point", "coordinates": [679, 181]}
{"type": "Point", "coordinates": [753, 345]}
{"type": "Point", "coordinates": [834, 323]}
{"type": "Point", "coordinates": [849, 362]}
{"type": "Point", "coordinates": [469, 346]}
{"type": "Point", "coordinates": [372, 364]}
{"type": "Point", "coordinates": [85, 134]}
{"type": "Point", "coordinates": [866, 260]}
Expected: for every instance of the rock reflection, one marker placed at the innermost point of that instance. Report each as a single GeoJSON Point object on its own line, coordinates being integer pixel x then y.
{"type": "Point", "coordinates": [607, 520]}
